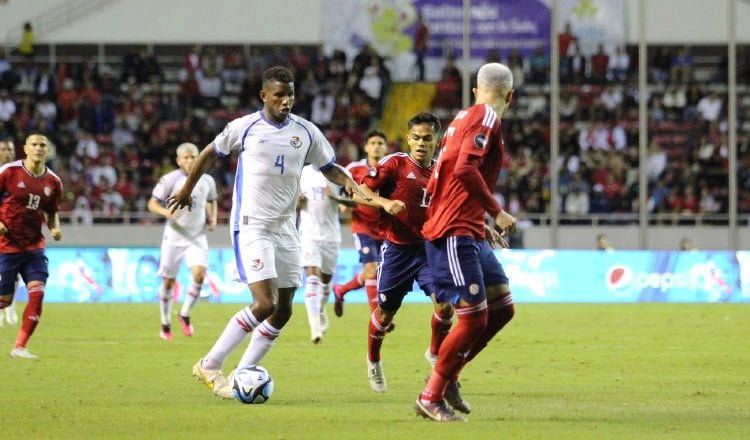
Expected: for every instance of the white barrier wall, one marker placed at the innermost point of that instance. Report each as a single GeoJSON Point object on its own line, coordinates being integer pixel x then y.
{"type": "Point", "coordinates": [571, 237]}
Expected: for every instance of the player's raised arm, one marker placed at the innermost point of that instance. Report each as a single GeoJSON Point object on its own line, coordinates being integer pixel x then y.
{"type": "Point", "coordinates": [204, 161]}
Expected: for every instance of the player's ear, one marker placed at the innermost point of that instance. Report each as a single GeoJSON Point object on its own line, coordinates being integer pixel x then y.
{"type": "Point", "coordinates": [509, 96]}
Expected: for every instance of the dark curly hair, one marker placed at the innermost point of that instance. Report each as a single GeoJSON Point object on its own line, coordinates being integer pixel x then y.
{"type": "Point", "coordinates": [277, 73]}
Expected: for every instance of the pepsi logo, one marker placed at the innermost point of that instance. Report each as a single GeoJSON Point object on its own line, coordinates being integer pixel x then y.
{"type": "Point", "coordinates": [619, 277]}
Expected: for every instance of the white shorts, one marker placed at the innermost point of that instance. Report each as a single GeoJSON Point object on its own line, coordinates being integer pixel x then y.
{"type": "Point", "coordinates": [263, 255]}
{"type": "Point", "coordinates": [194, 251]}
{"type": "Point", "coordinates": [322, 254]}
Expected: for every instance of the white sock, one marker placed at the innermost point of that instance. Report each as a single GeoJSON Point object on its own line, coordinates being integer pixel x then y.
{"type": "Point", "coordinates": [312, 302]}
{"type": "Point", "coordinates": [165, 305]}
{"type": "Point", "coordinates": [260, 344]}
{"type": "Point", "coordinates": [193, 293]}
{"type": "Point", "coordinates": [325, 293]}
{"type": "Point", "coordinates": [242, 323]}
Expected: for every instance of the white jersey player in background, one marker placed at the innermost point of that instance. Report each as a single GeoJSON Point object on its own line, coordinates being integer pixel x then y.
{"type": "Point", "coordinates": [273, 145]}
{"type": "Point", "coordinates": [320, 236]}
{"type": "Point", "coordinates": [184, 237]}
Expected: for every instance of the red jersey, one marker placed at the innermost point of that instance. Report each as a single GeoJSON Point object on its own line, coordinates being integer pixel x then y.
{"type": "Point", "coordinates": [399, 177]}
{"type": "Point", "coordinates": [473, 138]}
{"type": "Point", "coordinates": [24, 201]}
{"type": "Point", "coordinates": [364, 218]}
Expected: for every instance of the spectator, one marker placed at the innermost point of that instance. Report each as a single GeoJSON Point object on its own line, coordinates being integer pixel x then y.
{"type": "Point", "coordinates": [7, 106]}
{"type": "Point", "coordinates": [577, 201]}
{"type": "Point", "coordinates": [681, 68]}
{"type": "Point", "coordinates": [539, 66]}
{"type": "Point", "coordinates": [599, 66]}
{"type": "Point", "coordinates": [577, 66]}
{"type": "Point", "coordinates": [516, 66]}
{"type": "Point", "coordinates": [619, 64]}
{"type": "Point", "coordinates": [709, 107]}
{"type": "Point", "coordinates": [27, 46]}
{"type": "Point", "coordinates": [656, 162]}
{"type": "Point", "coordinates": [322, 109]}
{"type": "Point", "coordinates": [421, 38]}
{"type": "Point", "coordinates": [565, 40]}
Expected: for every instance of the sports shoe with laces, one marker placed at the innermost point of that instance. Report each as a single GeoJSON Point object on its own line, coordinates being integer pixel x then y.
{"type": "Point", "coordinates": [376, 376]}
{"type": "Point", "coordinates": [454, 399]}
{"type": "Point", "coordinates": [430, 358]}
{"type": "Point", "coordinates": [437, 411]}
{"type": "Point", "coordinates": [206, 376]}
{"type": "Point", "coordinates": [166, 332]}
{"type": "Point", "coordinates": [338, 300]}
{"type": "Point", "coordinates": [22, 352]}
{"type": "Point", "coordinates": [187, 328]}
{"type": "Point", "coordinates": [223, 385]}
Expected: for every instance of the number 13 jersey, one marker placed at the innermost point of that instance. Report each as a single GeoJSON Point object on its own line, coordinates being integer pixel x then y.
{"type": "Point", "coordinates": [24, 201]}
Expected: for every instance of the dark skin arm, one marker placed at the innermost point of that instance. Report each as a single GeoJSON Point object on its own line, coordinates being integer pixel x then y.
{"type": "Point", "coordinates": [203, 163]}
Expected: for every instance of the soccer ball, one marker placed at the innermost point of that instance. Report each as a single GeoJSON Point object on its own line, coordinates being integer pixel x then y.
{"type": "Point", "coordinates": [252, 384]}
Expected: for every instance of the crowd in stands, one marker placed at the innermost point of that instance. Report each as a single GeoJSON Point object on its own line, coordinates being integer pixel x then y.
{"type": "Point", "coordinates": [114, 129]}
{"type": "Point", "coordinates": [687, 163]}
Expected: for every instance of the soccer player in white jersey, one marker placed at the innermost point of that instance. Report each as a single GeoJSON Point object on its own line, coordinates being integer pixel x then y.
{"type": "Point", "coordinates": [273, 145]}
{"type": "Point", "coordinates": [184, 237]}
{"type": "Point", "coordinates": [320, 236]}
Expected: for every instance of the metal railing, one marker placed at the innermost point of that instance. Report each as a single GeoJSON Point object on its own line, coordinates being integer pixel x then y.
{"type": "Point", "coordinates": [56, 17]}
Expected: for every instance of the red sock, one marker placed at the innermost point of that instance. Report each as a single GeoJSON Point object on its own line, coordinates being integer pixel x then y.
{"type": "Point", "coordinates": [499, 312]}
{"type": "Point", "coordinates": [371, 287]}
{"type": "Point", "coordinates": [31, 315]}
{"type": "Point", "coordinates": [440, 329]}
{"type": "Point", "coordinates": [452, 355]}
{"type": "Point", "coordinates": [355, 283]}
{"type": "Point", "coordinates": [375, 338]}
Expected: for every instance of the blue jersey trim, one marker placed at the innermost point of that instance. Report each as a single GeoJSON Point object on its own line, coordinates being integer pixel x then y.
{"type": "Point", "coordinates": [238, 257]}
{"type": "Point", "coordinates": [282, 125]}
{"type": "Point", "coordinates": [238, 194]}
{"type": "Point", "coordinates": [247, 130]}
{"type": "Point", "coordinates": [329, 165]}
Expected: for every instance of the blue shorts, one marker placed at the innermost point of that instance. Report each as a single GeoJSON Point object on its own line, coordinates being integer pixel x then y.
{"type": "Point", "coordinates": [462, 267]}
{"type": "Point", "coordinates": [368, 247]}
{"type": "Point", "coordinates": [31, 265]}
{"type": "Point", "coordinates": [400, 266]}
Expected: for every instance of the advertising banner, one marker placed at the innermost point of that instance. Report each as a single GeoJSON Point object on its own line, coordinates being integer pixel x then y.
{"type": "Point", "coordinates": [536, 276]}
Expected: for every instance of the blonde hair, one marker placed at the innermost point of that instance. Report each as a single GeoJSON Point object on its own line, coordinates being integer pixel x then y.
{"type": "Point", "coordinates": [495, 76]}
{"type": "Point", "coordinates": [187, 147]}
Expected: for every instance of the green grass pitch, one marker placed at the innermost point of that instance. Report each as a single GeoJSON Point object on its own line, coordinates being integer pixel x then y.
{"type": "Point", "coordinates": [557, 371]}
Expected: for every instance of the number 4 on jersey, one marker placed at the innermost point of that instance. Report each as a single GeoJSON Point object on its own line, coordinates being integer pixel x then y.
{"type": "Point", "coordinates": [280, 162]}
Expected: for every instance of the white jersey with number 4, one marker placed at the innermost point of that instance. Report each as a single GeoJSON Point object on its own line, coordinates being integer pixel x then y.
{"type": "Point", "coordinates": [188, 223]}
{"type": "Point", "coordinates": [269, 168]}
{"type": "Point", "coordinates": [319, 220]}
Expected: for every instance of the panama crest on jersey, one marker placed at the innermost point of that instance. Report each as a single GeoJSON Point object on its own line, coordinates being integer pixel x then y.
{"type": "Point", "coordinates": [47, 191]}
{"type": "Point", "coordinates": [296, 142]}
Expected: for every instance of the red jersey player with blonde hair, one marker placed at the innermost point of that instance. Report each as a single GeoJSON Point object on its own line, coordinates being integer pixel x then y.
{"type": "Point", "coordinates": [31, 196]}
{"type": "Point", "coordinates": [367, 235]}
{"type": "Point", "coordinates": [465, 272]}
